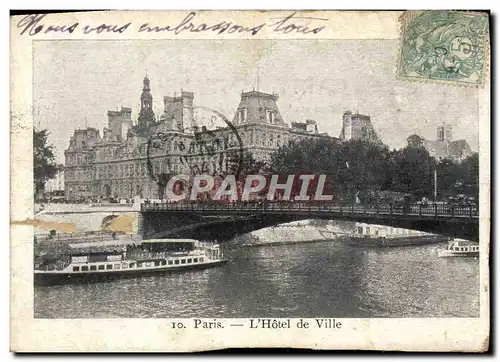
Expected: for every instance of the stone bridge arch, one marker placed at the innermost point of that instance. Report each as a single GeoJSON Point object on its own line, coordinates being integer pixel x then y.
{"type": "Point", "coordinates": [224, 228]}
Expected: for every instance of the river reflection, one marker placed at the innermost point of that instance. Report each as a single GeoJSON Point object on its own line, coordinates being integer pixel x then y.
{"type": "Point", "coordinates": [324, 279]}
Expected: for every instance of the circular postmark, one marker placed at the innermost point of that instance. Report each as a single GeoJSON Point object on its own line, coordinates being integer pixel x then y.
{"type": "Point", "coordinates": [445, 45]}
{"type": "Point", "coordinates": [209, 145]}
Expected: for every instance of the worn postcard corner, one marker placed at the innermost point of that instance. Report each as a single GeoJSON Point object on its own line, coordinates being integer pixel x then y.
{"type": "Point", "coordinates": [200, 180]}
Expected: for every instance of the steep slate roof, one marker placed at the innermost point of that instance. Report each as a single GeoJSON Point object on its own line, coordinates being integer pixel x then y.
{"type": "Point", "coordinates": [436, 148]}
{"type": "Point", "coordinates": [256, 104]}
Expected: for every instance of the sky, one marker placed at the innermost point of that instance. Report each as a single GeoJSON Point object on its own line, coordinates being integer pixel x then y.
{"type": "Point", "coordinates": [77, 82]}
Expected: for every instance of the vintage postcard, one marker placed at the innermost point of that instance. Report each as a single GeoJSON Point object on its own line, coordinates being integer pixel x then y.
{"type": "Point", "coordinates": [200, 180]}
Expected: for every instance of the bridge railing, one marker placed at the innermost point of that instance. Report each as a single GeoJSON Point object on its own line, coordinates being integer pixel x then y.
{"type": "Point", "coordinates": [469, 211]}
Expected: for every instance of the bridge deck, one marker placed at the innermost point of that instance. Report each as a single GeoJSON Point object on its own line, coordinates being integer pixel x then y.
{"type": "Point", "coordinates": [431, 212]}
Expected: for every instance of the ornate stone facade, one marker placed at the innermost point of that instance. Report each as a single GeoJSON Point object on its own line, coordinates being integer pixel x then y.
{"type": "Point", "coordinates": [130, 160]}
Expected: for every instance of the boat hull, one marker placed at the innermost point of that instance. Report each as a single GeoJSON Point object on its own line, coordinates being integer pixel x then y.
{"type": "Point", "coordinates": [55, 278]}
{"type": "Point", "coordinates": [278, 243]}
{"type": "Point", "coordinates": [454, 254]}
{"type": "Point", "coordinates": [381, 242]}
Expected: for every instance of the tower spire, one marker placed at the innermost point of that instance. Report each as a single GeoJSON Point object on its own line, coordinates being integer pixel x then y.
{"type": "Point", "coordinates": [146, 114]}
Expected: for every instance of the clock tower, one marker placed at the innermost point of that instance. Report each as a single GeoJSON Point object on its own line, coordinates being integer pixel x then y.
{"type": "Point", "coordinates": [146, 115]}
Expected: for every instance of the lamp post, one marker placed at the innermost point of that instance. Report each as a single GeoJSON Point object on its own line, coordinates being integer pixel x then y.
{"type": "Point", "coordinates": [435, 185]}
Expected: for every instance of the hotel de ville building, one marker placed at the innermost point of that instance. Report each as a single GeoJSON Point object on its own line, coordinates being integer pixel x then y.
{"type": "Point", "coordinates": [128, 159]}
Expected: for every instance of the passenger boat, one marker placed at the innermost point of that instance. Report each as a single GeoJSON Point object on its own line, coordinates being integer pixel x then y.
{"type": "Point", "coordinates": [459, 248]}
{"type": "Point", "coordinates": [149, 257]}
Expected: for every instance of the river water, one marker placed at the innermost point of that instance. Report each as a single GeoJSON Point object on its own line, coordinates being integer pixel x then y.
{"type": "Point", "coordinates": [324, 279]}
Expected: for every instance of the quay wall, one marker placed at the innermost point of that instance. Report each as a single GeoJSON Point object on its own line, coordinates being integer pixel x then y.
{"type": "Point", "coordinates": [85, 217]}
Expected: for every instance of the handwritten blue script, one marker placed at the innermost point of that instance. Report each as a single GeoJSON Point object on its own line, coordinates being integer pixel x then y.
{"type": "Point", "coordinates": [37, 24]}
{"type": "Point", "coordinates": [283, 25]}
{"type": "Point", "coordinates": [32, 25]}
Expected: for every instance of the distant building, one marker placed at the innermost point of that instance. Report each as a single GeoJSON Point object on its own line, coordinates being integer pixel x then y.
{"type": "Point", "coordinates": [117, 165]}
{"type": "Point", "coordinates": [358, 127]}
{"type": "Point", "coordinates": [444, 146]}
{"type": "Point", "coordinates": [309, 126]}
{"type": "Point", "coordinates": [57, 182]}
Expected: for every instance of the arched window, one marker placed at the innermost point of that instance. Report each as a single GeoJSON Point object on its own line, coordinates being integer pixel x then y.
{"type": "Point", "coordinates": [176, 146]}
{"type": "Point", "coordinates": [278, 141]}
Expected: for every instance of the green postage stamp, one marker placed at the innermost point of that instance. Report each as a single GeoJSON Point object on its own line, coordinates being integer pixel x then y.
{"type": "Point", "coordinates": [444, 46]}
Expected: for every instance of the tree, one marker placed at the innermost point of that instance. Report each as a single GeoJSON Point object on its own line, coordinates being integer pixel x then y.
{"type": "Point", "coordinates": [470, 169]}
{"type": "Point", "coordinates": [350, 167]}
{"type": "Point", "coordinates": [450, 178]}
{"type": "Point", "coordinates": [44, 166]}
{"type": "Point", "coordinates": [458, 177]}
{"type": "Point", "coordinates": [413, 171]}
{"type": "Point", "coordinates": [362, 167]}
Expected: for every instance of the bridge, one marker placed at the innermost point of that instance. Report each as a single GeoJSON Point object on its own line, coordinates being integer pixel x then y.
{"type": "Point", "coordinates": [223, 221]}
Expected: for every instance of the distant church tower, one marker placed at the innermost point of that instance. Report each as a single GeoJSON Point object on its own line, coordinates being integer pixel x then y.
{"type": "Point", "coordinates": [146, 115]}
{"type": "Point", "coordinates": [358, 127]}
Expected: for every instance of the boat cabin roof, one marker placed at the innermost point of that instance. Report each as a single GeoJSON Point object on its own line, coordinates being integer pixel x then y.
{"type": "Point", "coordinates": [169, 244]}
{"type": "Point", "coordinates": [461, 242]}
{"type": "Point", "coordinates": [80, 252]}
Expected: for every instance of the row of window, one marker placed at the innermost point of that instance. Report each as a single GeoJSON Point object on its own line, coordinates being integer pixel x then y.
{"type": "Point", "coordinates": [85, 174]}
{"type": "Point", "coordinates": [243, 115]}
{"type": "Point", "coordinates": [164, 145]}
{"type": "Point", "coordinates": [137, 170]}
{"type": "Point", "coordinates": [133, 265]}
{"type": "Point", "coordinates": [128, 170]}
{"type": "Point", "coordinates": [117, 171]}
{"type": "Point", "coordinates": [78, 159]}
{"type": "Point", "coordinates": [472, 248]}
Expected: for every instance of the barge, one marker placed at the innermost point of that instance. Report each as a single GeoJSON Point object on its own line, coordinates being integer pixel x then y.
{"type": "Point", "coordinates": [367, 235]}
